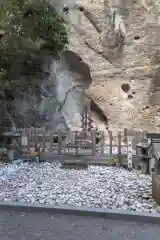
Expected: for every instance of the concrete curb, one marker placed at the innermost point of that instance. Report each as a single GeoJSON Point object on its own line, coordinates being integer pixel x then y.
{"type": "Point", "coordinates": [82, 211]}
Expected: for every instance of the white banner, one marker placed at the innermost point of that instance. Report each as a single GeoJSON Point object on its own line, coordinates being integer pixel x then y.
{"type": "Point", "coordinates": [130, 152]}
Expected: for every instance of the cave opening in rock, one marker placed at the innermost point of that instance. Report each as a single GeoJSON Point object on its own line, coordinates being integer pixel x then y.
{"type": "Point", "coordinates": [125, 87]}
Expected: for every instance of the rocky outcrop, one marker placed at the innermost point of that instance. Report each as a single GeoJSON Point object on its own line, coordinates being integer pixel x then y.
{"type": "Point", "coordinates": [54, 100]}
{"type": "Point", "coordinates": [120, 42]}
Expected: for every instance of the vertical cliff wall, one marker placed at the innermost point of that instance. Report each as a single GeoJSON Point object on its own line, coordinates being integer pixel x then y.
{"type": "Point", "coordinates": [120, 42]}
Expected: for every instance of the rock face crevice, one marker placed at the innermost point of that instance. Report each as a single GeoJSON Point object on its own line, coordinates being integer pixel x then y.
{"type": "Point", "coordinates": [98, 111]}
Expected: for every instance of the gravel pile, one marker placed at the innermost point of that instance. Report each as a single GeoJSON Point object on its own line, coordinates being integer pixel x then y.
{"type": "Point", "coordinates": [100, 187]}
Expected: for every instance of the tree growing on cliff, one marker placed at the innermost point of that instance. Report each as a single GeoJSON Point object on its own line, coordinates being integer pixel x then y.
{"type": "Point", "coordinates": [29, 31]}
{"type": "Point", "coordinates": [156, 4]}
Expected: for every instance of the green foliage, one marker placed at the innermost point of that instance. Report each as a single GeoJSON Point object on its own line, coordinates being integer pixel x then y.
{"type": "Point", "coordinates": [116, 160]}
{"type": "Point", "coordinates": [33, 30]}
{"type": "Point", "coordinates": [156, 4]}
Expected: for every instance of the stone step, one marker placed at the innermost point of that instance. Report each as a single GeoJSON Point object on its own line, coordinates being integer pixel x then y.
{"type": "Point", "coordinates": [74, 161]}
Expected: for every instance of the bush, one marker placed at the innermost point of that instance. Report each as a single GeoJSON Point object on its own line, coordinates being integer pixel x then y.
{"type": "Point", "coordinates": [33, 30]}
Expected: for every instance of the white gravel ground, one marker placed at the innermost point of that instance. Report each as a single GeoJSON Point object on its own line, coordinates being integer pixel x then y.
{"type": "Point", "coordinates": [100, 187]}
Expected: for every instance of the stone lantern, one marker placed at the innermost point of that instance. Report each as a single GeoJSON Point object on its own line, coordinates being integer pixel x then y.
{"type": "Point", "coordinates": [142, 151]}
{"type": "Point", "coordinates": [10, 138]}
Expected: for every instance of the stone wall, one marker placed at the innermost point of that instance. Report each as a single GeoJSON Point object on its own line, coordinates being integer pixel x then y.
{"type": "Point", "coordinates": [137, 64]}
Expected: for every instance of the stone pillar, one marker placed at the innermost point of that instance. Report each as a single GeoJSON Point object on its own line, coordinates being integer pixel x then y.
{"type": "Point", "coordinates": [10, 153]}
{"type": "Point", "coordinates": [145, 167]}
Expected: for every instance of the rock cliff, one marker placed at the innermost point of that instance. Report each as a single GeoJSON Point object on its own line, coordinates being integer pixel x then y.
{"type": "Point", "coordinates": [119, 39]}
{"type": "Point", "coordinates": [55, 101]}
{"type": "Point", "coordinates": [42, 84]}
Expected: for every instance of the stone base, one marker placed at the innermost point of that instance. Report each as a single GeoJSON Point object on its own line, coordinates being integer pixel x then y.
{"type": "Point", "coordinates": [145, 168]}
{"type": "Point", "coordinates": [156, 187]}
{"type": "Point", "coordinates": [77, 164]}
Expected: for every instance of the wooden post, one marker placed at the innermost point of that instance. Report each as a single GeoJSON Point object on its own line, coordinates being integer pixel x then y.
{"type": "Point", "coordinates": [125, 135]}
{"type": "Point", "coordinates": [93, 142]}
{"type": "Point", "coordinates": [28, 131]}
{"type": "Point", "coordinates": [36, 136]}
{"type": "Point", "coordinates": [32, 131]}
{"type": "Point", "coordinates": [59, 143]}
{"type": "Point", "coordinates": [50, 142]}
{"type": "Point", "coordinates": [119, 144]}
{"type": "Point", "coordinates": [110, 142]}
{"type": "Point", "coordinates": [139, 136]}
{"type": "Point", "coordinates": [136, 141]}
{"type": "Point", "coordinates": [102, 143]}
{"type": "Point", "coordinates": [76, 145]}
{"type": "Point", "coordinates": [129, 152]}
{"type": "Point", "coordinates": [44, 140]}
{"type": "Point", "coordinates": [24, 138]}
{"type": "Point", "coordinates": [157, 166]}
{"type": "Point", "coordinates": [85, 118]}
{"type": "Point", "coordinates": [21, 131]}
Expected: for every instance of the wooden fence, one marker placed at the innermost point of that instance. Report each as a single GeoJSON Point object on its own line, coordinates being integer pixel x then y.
{"type": "Point", "coordinates": [86, 143]}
